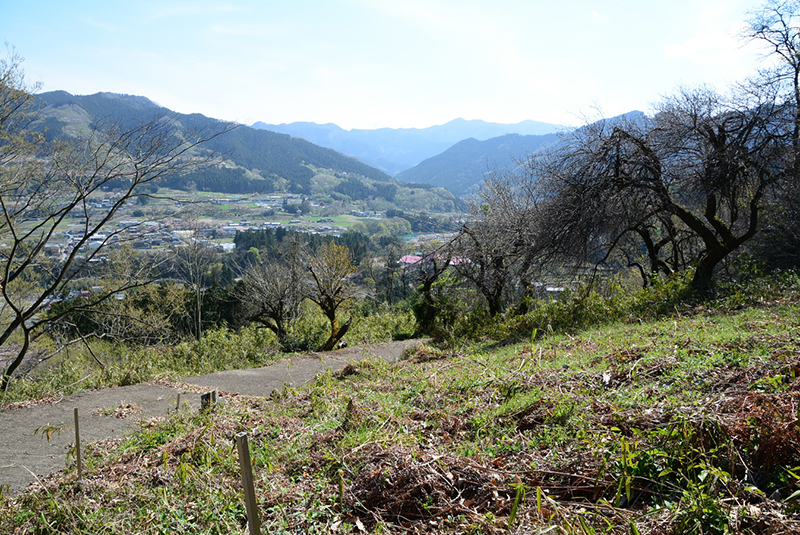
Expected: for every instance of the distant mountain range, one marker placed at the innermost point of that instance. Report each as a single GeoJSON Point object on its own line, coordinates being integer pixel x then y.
{"type": "Point", "coordinates": [327, 161]}
{"type": "Point", "coordinates": [397, 149]}
{"type": "Point", "coordinates": [256, 161]}
{"type": "Point", "coordinates": [463, 167]}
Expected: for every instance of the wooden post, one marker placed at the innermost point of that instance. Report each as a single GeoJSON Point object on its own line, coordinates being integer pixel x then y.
{"type": "Point", "coordinates": [207, 401]}
{"type": "Point", "coordinates": [178, 403]}
{"type": "Point", "coordinates": [78, 444]}
{"type": "Point", "coordinates": [247, 482]}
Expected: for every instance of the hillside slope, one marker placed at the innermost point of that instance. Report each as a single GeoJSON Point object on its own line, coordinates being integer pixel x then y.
{"type": "Point", "coordinates": [271, 153]}
{"type": "Point", "coordinates": [683, 424]}
{"type": "Point", "coordinates": [256, 161]}
{"type": "Point", "coordinates": [461, 168]}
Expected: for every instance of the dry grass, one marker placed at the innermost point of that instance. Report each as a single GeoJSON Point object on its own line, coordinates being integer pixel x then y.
{"type": "Point", "coordinates": [687, 425]}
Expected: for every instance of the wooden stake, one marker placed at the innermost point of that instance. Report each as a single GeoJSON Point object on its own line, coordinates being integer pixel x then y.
{"type": "Point", "coordinates": [178, 403]}
{"type": "Point", "coordinates": [247, 482]}
{"type": "Point", "coordinates": [207, 401]}
{"type": "Point", "coordinates": [78, 444]}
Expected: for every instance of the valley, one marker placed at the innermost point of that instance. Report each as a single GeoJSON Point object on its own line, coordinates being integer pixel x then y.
{"type": "Point", "coordinates": [591, 330]}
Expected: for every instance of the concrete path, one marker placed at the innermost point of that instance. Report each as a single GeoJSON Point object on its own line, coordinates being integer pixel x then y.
{"type": "Point", "coordinates": [111, 412]}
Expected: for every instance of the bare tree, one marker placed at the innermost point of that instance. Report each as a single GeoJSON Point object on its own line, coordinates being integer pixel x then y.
{"type": "Point", "coordinates": [331, 287]}
{"type": "Point", "coordinates": [484, 260]}
{"type": "Point", "coordinates": [194, 258]}
{"type": "Point", "coordinates": [492, 249]}
{"type": "Point", "coordinates": [429, 270]}
{"type": "Point", "coordinates": [44, 184]}
{"type": "Point", "coordinates": [272, 291]}
{"type": "Point", "coordinates": [686, 186]}
{"type": "Point", "coordinates": [776, 26]}
{"type": "Point", "coordinates": [508, 217]}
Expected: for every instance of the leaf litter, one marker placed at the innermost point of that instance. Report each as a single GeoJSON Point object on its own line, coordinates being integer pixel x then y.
{"type": "Point", "coordinates": [436, 463]}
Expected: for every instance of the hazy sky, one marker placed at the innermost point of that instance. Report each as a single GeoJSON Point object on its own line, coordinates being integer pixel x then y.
{"type": "Point", "coordinates": [382, 63]}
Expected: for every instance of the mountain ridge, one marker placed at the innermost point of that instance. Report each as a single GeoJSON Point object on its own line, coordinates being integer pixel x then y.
{"type": "Point", "coordinates": [266, 160]}
{"type": "Point", "coordinates": [255, 161]}
{"type": "Point", "coordinates": [59, 107]}
{"type": "Point", "coordinates": [397, 149]}
{"type": "Point", "coordinates": [463, 166]}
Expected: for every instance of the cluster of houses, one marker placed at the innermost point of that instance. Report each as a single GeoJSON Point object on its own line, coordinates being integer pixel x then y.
{"type": "Point", "coordinates": [166, 233]}
{"type": "Point", "coordinates": [174, 232]}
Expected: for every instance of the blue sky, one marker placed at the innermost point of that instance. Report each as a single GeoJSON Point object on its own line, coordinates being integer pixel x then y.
{"type": "Point", "coordinates": [380, 63]}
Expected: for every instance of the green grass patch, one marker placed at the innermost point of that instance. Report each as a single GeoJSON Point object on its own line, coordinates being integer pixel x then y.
{"type": "Point", "coordinates": [679, 424]}
{"type": "Point", "coordinates": [75, 369]}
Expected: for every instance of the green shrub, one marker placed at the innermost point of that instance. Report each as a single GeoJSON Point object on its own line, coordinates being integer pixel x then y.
{"type": "Point", "coordinates": [219, 349]}
{"type": "Point", "coordinates": [310, 330]}
{"type": "Point", "coordinates": [381, 323]}
{"type": "Point", "coordinates": [752, 290]}
{"type": "Point", "coordinates": [583, 307]}
{"type": "Point", "coordinates": [77, 368]}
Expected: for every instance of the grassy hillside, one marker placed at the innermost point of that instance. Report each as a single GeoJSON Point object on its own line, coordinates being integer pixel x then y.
{"type": "Point", "coordinates": [683, 424]}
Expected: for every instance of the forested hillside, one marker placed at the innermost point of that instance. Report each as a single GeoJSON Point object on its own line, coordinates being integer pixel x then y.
{"type": "Point", "coordinates": [462, 167]}
{"type": "Point", "coordinates": [253, 161]}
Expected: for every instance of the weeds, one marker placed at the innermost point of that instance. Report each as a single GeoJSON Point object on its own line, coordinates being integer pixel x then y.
{"type": "Point", "coordinates": [685, 424]}
{"type": "Point", "coordinates": [76, 370]}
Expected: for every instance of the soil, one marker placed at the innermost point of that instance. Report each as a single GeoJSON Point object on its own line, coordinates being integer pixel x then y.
{"type": "Point", "coordinates": [35, 438]}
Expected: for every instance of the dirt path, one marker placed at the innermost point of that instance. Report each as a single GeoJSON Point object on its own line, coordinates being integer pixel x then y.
{"type": "Point", "coordinates": [110, 412]}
